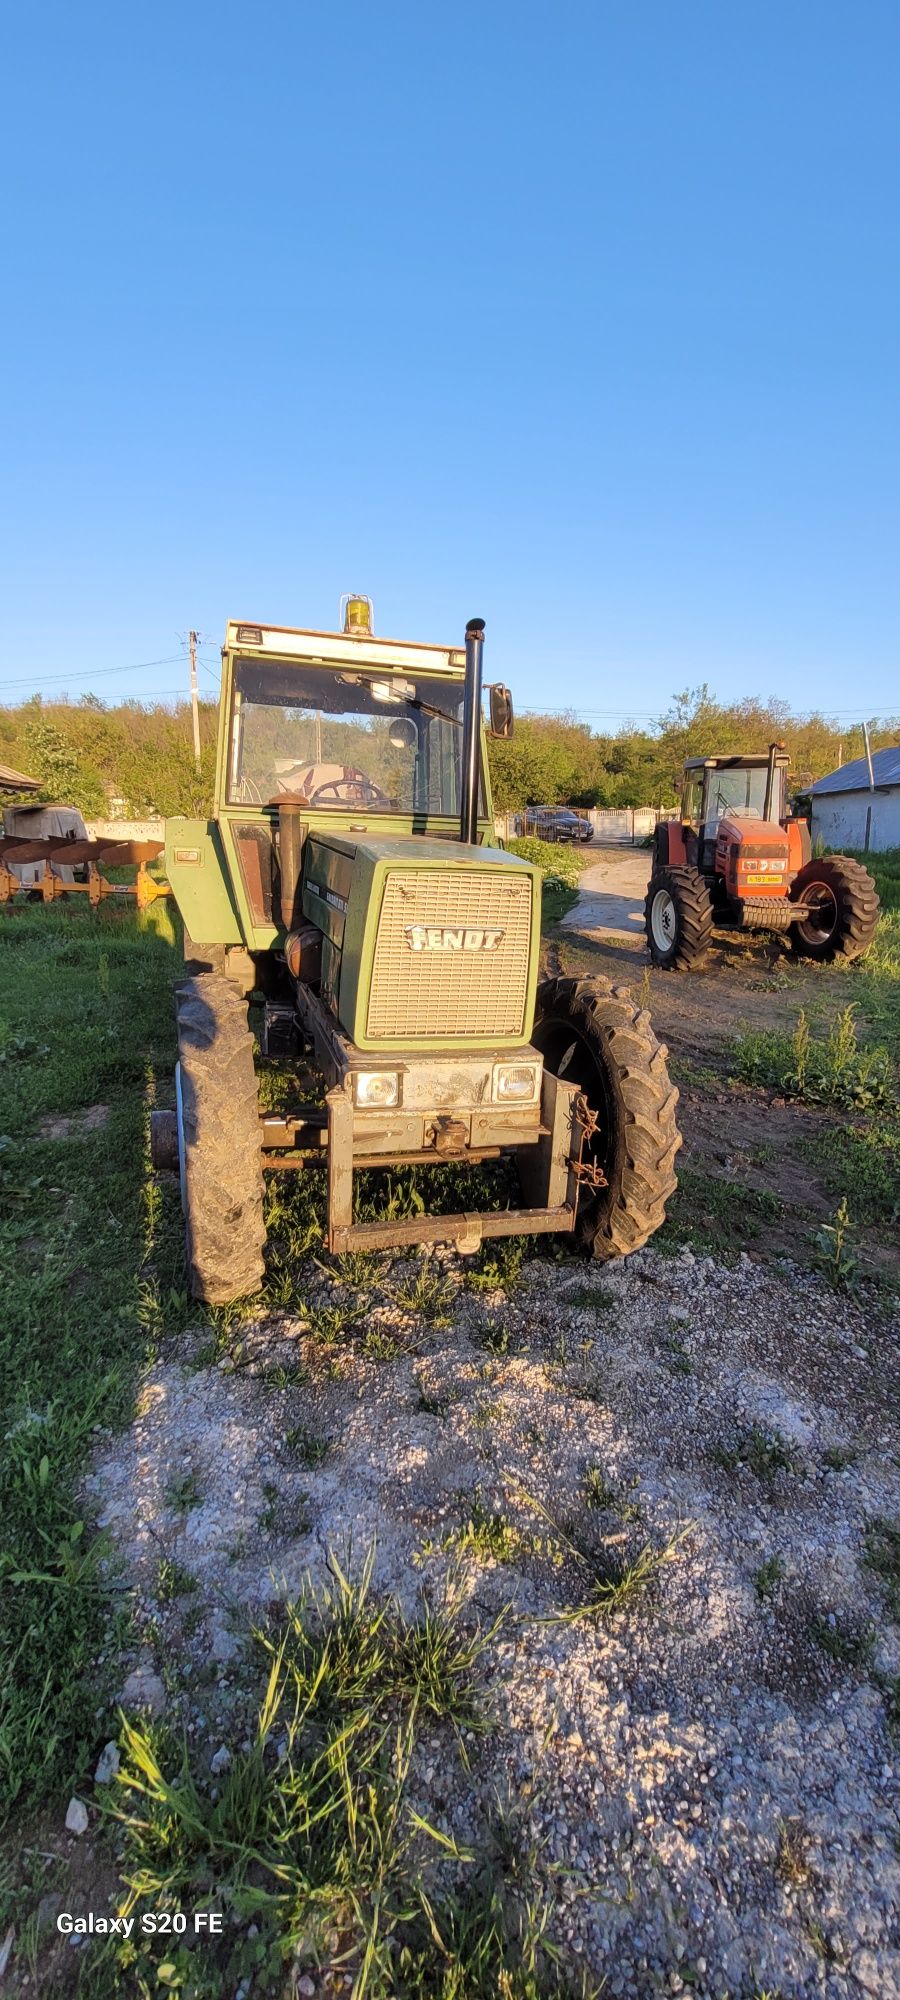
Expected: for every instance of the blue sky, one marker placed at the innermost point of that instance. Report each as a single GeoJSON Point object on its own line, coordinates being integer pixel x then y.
{"type": "Point", "coordinates": [582, 318]}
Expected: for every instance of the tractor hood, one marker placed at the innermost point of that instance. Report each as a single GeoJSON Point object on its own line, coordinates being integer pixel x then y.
{"type": "Point", "coordinates": [765, 836]}
{"type": "Point", "coordinates": [426, 942]}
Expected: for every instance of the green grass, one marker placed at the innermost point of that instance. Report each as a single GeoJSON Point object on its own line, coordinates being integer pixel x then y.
{"type": "Point", "coordinates": [851, 1066]}
{"type": "Point", "coordinates": [91, 1269]}
{"type": "Point", "coordinates": [311, 1832]}
{"type": "Point", "coordinates": [716, 1215]}
{"type": "Point", "coordinates": [834, 1068]}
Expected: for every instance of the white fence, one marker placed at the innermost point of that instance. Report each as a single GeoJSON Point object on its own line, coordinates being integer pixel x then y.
{"type": "Point", "coordinates": [126, 829]}
{"type": "Point", "coordinates": [608, 823]}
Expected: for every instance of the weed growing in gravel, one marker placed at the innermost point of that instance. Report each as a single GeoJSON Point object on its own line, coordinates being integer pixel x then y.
{"type": "Point", "coordinates": [600, 1494]}
{"type": "Point", "coordinates": [429, 1295]}
{"type": "Point", "coordinates": [845, 1640]}
{"type": "Point", "coordinates": [312, 1834]}
{"type": "Point", "coordinates": [611, 1577]}
{"type": "Point", "coordinates": [496, 1339]}
{"type": "Point", "coordinates": [597, 1490]}
{"type": "Point", "coordinates": [494, 1934]}
{"type": "Point", "coordinates": [173, 1580]}
{"type": "Point", "coordinates": [488, 1535]}
{"type": "Point", "coordinates": [612, 1580]}
{"type": "Point", "coordinates": [435, 1403]}
{"type": "Point", "coordinates": [839, 1456]}
{"type": "Point", "coordinates": [835, 1259]}
{"type": "Point", "coordinates": [792, 1859]}
{"type": "Point", "coordinates": [580, 1297]}
{"type": "Point", "coordinates": [486, 1412]}
{"type": "Point", "coordinates": [767, 1578]}
{"type": "Point", "coordinates": [329, 1323]}
{"type": "Point", "coordinates": [679, 1359]}
{"type": "Point", "coordinates": [498, 1264]}
{"type": "Point", "coordinates": [382, 1343]}
{"type": "Point", "coordinates": [183, 1493]}
{"type": "Point", "coordinates": [890, 1688]}
{"type": "Point", "coordinates": [763, 1452]}
{"type": "Point", "coordinates": [882, 1554]}
{"type": "Point", "coordinates": [306, 1447]}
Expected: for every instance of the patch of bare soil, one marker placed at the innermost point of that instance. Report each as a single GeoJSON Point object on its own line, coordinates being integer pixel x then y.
{"type": "Point", "coordinates": [91, 1120]}
{"type": "Point", "coordinates": [738, 1424]}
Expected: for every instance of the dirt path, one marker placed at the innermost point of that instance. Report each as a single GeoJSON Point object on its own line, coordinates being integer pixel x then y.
{"type": "Point", "coordinates": [611, 896]}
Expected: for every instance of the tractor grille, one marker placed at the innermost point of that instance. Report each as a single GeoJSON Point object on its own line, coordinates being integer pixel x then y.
{"type": "Point", "coordinates": [447, 994]}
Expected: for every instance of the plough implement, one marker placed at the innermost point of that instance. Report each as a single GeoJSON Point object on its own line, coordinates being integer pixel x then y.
{"type": "Point", "coordinates": [83, 861]}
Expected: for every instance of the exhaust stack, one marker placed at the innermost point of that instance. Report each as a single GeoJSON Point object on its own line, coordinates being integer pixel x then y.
{"type": "Point", "coordinates": [471, 740]}
{"type": "Point", "coordinates": [774, 749]}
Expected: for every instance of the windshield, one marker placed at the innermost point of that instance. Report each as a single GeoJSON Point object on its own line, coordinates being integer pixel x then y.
{"type": "Point", "coordinates": [741, 791]}
{"type": "Point", "coordinates": [339, 740]}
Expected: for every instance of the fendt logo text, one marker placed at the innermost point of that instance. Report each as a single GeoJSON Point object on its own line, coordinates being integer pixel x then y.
{"type": "Point", "coordinates": [444, 937]}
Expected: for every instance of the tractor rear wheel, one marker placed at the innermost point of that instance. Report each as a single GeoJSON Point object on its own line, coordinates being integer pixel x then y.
{"type": "Point", "coordinates": [592, 1034]}
{"type": "Point", "coordinates": [218, 1141]}
{"type": "Point", "coordinates": [841, 909]}
{"type": "Point", "coordinates": [678, 918]}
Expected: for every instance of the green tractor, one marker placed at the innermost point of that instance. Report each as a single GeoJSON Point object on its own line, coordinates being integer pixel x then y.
{"type": "Point", "coordinates": [350, 885]}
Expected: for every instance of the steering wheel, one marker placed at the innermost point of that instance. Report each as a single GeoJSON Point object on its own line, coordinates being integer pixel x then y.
{"type": "Point", "coordinates": [353, 789]}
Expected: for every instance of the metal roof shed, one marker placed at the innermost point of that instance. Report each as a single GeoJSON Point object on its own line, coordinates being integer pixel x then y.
{"type": "Point", "coordinates": [15, 781]}
{"type": "Point", "coordinates": [849, 810]}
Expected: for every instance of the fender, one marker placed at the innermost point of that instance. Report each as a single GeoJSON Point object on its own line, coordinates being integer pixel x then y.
{"type": "Point", "coordinates": [799, 844]}
{"type": "Point", "coordinates": [200, 884]}
{"type": "Point", "coordinates": [671, 850]}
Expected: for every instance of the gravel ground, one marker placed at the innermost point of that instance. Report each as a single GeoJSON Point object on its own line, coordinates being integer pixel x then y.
{"type": "Point", "coordinates": [713, 1762]}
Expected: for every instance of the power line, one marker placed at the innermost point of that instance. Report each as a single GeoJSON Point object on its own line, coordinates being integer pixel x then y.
{"type": "Point", "coordinates": [645, 715]}
{"type": "Point", "coordinates": [94, 673]}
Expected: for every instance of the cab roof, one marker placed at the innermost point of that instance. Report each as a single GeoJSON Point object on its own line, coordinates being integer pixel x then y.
{"type": "Point", "coordinates": [338, 649]}
{"type": "Point", "coordinates": [755, 762]}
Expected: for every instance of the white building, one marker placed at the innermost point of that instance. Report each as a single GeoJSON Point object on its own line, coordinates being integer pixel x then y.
{"type": "Point", "coordinates": [847, 811]}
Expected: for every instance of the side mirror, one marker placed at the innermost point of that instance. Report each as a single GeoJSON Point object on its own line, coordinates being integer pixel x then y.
{"type": "Point", "coordinates": [501, 709]}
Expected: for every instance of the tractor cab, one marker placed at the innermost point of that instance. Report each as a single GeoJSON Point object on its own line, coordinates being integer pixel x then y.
{"type": "Point", "coordinates": [746, 795]}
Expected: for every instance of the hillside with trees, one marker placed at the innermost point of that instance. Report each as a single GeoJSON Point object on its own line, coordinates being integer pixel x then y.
{"type": "Point", "coordinates": [136, 760]}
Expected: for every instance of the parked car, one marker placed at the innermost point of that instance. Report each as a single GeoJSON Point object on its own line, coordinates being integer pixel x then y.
{"type": "Point", "coordinates": [557, 823]}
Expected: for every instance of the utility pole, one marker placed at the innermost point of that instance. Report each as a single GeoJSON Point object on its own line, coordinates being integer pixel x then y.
{"type": "Point", "coordinates": [195, 708]}
{"type": "Point", "coordinates": [865, 728]}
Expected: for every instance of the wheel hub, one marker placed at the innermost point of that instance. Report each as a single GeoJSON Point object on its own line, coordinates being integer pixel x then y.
{"type": "Point", "coordinates": [663, 920]}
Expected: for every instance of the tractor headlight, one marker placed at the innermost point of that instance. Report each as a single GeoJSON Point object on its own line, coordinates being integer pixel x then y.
{"type": "Point", "coordinates": [516, 1083]}
{"type": "Point", "coordinates": [376, 1087]}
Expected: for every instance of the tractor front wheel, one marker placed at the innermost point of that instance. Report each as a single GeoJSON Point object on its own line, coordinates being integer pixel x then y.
{"type": "Point", "coordinates": [678, 918]}
{"type": "Point", "coordinates": [218, 1141]}
{"type": "Point", "coordinates": [592, 1034]}
{"type": "Point", "coordinates": [840, 909]}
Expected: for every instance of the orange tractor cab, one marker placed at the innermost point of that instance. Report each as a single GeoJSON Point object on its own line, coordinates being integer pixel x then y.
{"type": "Point", "coordinates": [736, 860]}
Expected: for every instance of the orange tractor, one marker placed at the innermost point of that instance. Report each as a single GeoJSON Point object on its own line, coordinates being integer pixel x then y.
{"type": "Point", "coordinates": [736, 860]}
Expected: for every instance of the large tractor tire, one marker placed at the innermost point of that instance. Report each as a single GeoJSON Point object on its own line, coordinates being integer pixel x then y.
{"type": "Point", "coordinates": [842, 902]}
{"type": "Point", "coordinates": [218, 1141]}
{"type": "Point", "coordinates": [678, 918]}
{"type": "Point", "coordinates": [592, 1034]}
